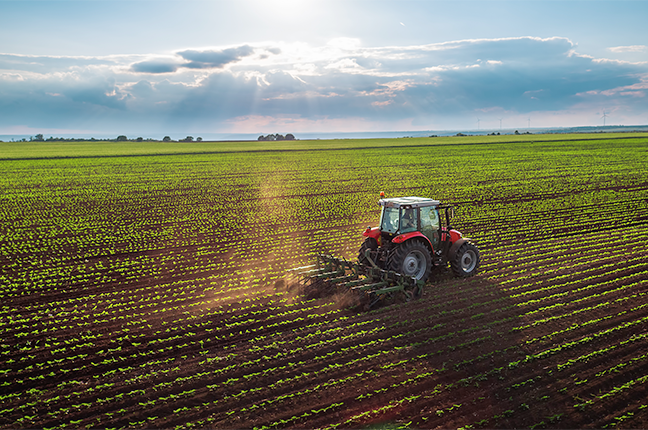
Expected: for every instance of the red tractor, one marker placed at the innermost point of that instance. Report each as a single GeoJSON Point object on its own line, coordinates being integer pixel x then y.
{"type": "Point", "coordinates": [414, 236]}
{"type": "Point", "coordinates": [397, 257]}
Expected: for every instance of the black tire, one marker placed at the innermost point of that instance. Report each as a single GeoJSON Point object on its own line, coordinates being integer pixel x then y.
{"type": "Point", "coordinates": [466, 261]}
{"type": "Point", "coordinates": [412, 259]}
{"type": "Point", "coordinates": [369, 244]}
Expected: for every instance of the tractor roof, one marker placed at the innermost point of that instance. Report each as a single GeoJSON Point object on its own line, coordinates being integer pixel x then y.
{"type": "Point", "coordinates": [414, 202]}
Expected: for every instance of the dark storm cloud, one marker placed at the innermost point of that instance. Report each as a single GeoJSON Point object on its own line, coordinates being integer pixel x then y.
{"type": "Point", "coordinates": [214, 59]}
{"type": "Point", "coordinates": [154, 66]}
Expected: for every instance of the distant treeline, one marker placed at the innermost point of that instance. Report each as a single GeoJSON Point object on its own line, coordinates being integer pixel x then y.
{"type": "Point", "coordinates": [120, 138]}
{"type": "Point", "coordinates": [123, 138]}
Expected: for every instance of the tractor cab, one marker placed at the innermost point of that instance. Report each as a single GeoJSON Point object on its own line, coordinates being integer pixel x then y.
{"type": "Point", "coordinates": [411, 214]}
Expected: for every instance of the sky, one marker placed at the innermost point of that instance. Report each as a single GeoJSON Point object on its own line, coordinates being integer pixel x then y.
{"type": "Point", "coordinates": [152, 67]}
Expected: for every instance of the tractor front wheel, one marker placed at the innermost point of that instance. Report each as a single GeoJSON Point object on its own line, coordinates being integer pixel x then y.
{"type": "Point", "coordinates": [466, 261]}
{"type": "Point", "coordinates": [412, 259]}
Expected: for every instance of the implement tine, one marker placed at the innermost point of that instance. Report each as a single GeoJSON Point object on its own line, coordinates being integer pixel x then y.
{"type": "Point", "coordinates": [296, 269]}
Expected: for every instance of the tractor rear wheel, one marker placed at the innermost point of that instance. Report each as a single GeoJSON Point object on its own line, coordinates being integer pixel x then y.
{"type": "Point", "coordinates": [370, 244]}
{"type": "Point", "coordinates": [412, 259]}
{"type": "Point", "coordinates": [466, 261]}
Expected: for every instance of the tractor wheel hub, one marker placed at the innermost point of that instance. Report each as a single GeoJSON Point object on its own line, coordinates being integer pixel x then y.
{"type": "Point", "coordinates": [413, 264]}
{"type": "Point", "coordinates": [468, 261]}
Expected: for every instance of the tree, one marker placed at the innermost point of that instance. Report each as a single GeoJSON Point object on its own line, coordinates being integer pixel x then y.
{"type": "Point", "coordinates": [187, 139]}
{"type": "Point", "coordinates": [166, 139]}
{"type": "Point", "coordinates": [272, 137]}
{"type": "Point", "coordinates": [199, 139]}
{"type": "Point", "coordinates": [38, 138]}
{"type": "Point", "coordinates": [139, 139]}
{"type": "Point", "coordinates": [121, 138]}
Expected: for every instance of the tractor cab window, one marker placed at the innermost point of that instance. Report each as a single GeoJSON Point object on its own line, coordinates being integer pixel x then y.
{"type": "Point", "coordinates": [430, 224]}
{"type": "Point", "coordinates": [389, 220]}
{"type": "Point", "coordinates": [409, 221]}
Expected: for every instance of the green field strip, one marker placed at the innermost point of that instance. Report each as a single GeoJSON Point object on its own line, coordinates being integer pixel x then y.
{"type": "Point", "coordinates": [47, 150]}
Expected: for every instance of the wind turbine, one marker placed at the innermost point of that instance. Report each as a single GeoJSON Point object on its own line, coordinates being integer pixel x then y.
{"type": "Point", "coordinates": [529, 126]}
{"type": "Point", "coordinates": [500, 124]}
{"type": "Point", "coordinates": [478, 123]}
{"type": "Point", "coordinates": [604, 116]}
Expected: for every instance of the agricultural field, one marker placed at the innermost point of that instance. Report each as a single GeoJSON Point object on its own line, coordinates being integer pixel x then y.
{"type": "Point", "coordinates": [148, 286]}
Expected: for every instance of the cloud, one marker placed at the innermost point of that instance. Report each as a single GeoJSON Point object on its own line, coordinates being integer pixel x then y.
{"type": "Point", "coordinates": [632, 48]}
{"type": "Point", "coordinates": [51, 64]}
{"type": "Point", "coordinates": [155, 66]}
{"type": "Point", "coordinates": [197, 59]}
{"type": "Point", "coordinates": [390, 86]}
{"type": "Point", "coordinates": [214, 58]}
{"type": "Point", "coordinates": [638, 89]}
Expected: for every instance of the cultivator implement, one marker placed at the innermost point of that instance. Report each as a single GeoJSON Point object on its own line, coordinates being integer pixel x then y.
{"type": "Point", "coordinates": [364, 285]}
